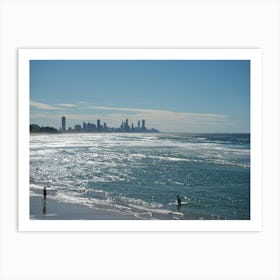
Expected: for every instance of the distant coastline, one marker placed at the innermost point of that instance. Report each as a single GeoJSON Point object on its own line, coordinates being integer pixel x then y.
{"type": "Point", "coordinates": [125, 127]}
{"type": "Point", "coordinates": [36, 129]}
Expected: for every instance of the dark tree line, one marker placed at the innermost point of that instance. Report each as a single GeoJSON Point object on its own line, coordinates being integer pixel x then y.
{"type": "Point", "coordinates": [35, 128]}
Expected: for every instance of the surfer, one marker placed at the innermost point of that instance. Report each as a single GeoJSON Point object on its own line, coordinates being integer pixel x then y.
{"type": "Point", "coordinates": [179, 200]}
{"type": "Point", "coordinates": [45, 193]}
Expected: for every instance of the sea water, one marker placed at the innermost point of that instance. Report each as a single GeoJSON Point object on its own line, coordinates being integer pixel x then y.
{"type": "Point", "coordinates": [140, 175]}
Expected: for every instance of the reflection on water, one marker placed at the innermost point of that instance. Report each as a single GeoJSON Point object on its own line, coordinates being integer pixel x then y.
{"type": "Point", "coordinates": [178, 208]}
{"type": "Point", "coordinates": [44, 209]}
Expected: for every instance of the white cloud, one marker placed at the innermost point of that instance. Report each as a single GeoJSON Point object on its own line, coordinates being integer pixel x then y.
{"type": "Point", "coordinates": [174, 120]}
{"type": "Point", "coordinates": [158, 113]}
{"type": "Point", "coordinates": [43, 106]}
{"type": "Point", "coordinates": [67, 105]}
{"type": "Point", "coordinates": [163, 120]}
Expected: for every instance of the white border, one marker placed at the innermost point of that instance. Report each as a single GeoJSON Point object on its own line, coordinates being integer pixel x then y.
{"type": "Point", "coordinates": [254, 55]}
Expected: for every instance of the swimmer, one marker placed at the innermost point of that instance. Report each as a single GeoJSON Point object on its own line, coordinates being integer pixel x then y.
{"type": "Point", "coordinates": [179, 200]}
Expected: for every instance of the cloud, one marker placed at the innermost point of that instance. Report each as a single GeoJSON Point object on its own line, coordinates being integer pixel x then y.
{"type": "Point", "coordinates": [163, 120]}
{"type": "Point", "coordinates": [43, 106]}
{"type": "Point", "coordinates": [181, 121]}
{"type": "Point", "coordinates": [165, 115]}
{"type": "Point", "coordinates": [67, 105]}
{"type": "Point", "coordinates": [158, 113]}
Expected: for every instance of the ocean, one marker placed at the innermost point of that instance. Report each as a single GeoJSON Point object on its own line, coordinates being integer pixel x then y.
{"type": "Point", "coordinates": [139, 175]}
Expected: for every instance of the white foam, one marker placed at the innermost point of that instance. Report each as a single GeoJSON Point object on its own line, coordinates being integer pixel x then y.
{"type": "Point", "coordinates": [168, 158]}
{"type": "Point", "coordinates": [156, 211]}
{"type": "Point", "coordinates": [140, 209]}
{"type": "Point", "coordinates": [33, 194]}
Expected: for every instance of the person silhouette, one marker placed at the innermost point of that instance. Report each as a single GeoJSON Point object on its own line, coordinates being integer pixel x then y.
{"type": "Point", "coordinates": [45, 193]}
{"type": "Point", "coordinates": [179, 200]}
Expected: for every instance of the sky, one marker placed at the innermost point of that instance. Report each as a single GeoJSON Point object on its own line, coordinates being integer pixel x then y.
{"type": "Point", "coordinates": [203, 96]}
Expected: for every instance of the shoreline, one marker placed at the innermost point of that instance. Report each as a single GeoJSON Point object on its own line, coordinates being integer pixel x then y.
{"type": "Point", "coordinates": [55, 210]}
{"type": "Point", "coordinates": [52, 209]}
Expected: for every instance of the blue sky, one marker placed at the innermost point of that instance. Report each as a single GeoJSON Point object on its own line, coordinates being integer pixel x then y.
{"type": "Point", "coordinates": [171, 95]}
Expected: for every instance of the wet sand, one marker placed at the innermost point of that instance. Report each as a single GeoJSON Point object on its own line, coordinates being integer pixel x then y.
{"type": "Point", "coordinates": [54, 210]}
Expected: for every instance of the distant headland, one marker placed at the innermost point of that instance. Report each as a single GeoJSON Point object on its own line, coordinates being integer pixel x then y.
{"type": "Point", "coordinates": [95, 128]}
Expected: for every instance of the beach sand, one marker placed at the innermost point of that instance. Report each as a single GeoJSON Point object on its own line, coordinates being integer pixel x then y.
{"type": "Point", "coordinates": [54, 210]}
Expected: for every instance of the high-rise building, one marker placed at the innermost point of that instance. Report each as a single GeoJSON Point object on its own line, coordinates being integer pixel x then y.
{"type": "Point", "coordinates": [138, 124]}
{"type": "Point", "coordinates": [126, 124]}
{"type": "Point", "coordinates": [98, 124]}
{"type": "Point", "coordinates": [63, 123]}
{"type": "Point", "coordinates": [143, 124]}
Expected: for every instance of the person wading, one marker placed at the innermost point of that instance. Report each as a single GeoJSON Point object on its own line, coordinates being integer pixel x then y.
{"type": "Point", "coordinates": [45, 193]}
{"type": "Point", "coordinates": [179, 200]}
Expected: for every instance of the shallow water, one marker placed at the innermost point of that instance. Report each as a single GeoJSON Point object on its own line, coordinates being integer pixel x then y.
{"type": "Point", "coordinates": [141, 174]}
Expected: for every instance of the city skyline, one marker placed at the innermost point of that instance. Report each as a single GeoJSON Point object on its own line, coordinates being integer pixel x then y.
{"type": "Point", "coordinates": [175, 96]}
{"type": "Point", "coordinates": [99, 126]}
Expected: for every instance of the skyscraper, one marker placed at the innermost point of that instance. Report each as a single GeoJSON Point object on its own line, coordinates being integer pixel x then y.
{"type": "Point", "coordinates": [63, 120]}
{"type": "Point", "coordinates": [143, 124]}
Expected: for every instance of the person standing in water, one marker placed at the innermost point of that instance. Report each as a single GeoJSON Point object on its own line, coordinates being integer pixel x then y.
{"type": "Point", "coordinates": [45, 193]}
{"type": "Point", "coordinates": [179, 200]}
